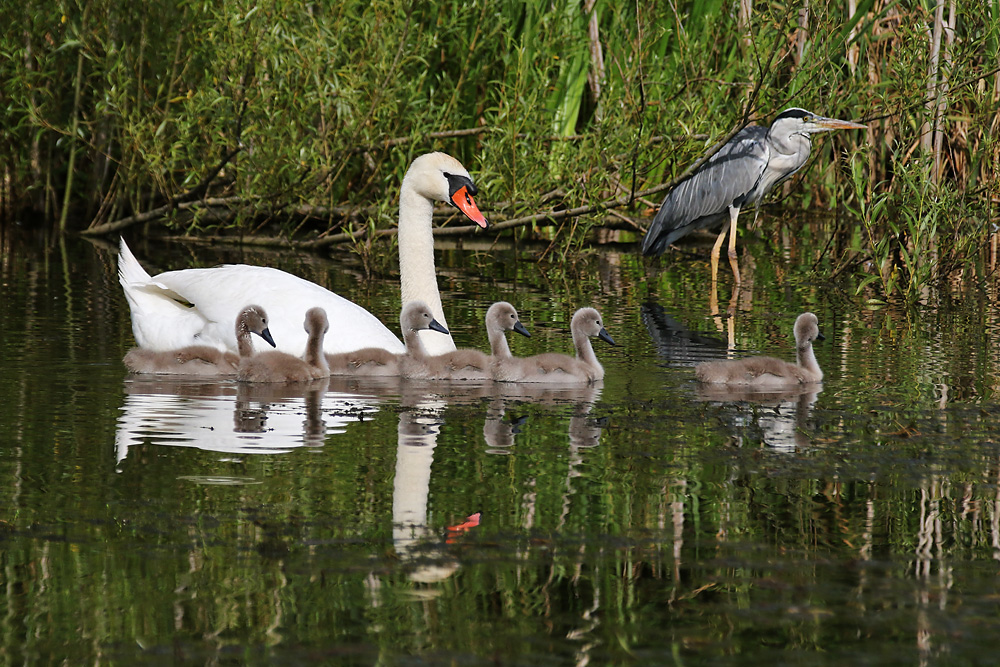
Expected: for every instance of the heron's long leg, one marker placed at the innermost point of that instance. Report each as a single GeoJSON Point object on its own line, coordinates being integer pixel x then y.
{"type": "Point", "coordinates": [733, 214]}
{"type": "Point", "coordinates": [715, 253]}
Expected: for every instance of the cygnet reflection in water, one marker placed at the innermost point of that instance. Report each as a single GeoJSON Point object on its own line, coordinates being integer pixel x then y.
{"type": "Point", "coordinates": [499, 431]}
{"type": "Point", "coordinates": [781, 417]}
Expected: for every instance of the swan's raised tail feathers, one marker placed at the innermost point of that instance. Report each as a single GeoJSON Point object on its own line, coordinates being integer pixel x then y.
{"type": "Point", "coordinates": [130, 272]}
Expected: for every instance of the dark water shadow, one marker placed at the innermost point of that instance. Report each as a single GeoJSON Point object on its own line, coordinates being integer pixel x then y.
{"type": "Point", "coordinates": [675, 343]}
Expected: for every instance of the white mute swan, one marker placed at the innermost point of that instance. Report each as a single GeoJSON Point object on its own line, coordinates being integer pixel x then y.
{"type": "Point", "coordinates": [199, 306]}
{"type": "Point", "coordinates": [768, 372]}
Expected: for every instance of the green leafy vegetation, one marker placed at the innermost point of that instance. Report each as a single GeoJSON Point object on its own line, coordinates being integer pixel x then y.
{"type": "Point", "coordinates": [296, 121]}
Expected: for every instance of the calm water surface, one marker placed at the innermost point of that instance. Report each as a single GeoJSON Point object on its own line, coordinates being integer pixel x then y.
{"type": "Point", "coordinates": [644, 521]}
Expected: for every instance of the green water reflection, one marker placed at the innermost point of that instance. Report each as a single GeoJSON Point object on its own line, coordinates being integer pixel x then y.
{"type": "Point", "coordinates": [645, 521]}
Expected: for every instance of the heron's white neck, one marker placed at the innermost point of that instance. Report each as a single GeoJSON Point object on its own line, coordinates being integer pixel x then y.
{"type": "Point", "coordinates": [788, 152]}
{"type": "Point", "coordinates": [417, 275]}
{"type": "Point", "coordinates": [792, 148]}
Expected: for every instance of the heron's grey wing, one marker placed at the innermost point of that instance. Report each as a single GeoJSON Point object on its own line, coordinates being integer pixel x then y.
{"type": "Point", "coordinates": [704, 199]}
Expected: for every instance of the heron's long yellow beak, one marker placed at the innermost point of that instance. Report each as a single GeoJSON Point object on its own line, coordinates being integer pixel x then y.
{"type": "Point", "coordinates": [834, 124]}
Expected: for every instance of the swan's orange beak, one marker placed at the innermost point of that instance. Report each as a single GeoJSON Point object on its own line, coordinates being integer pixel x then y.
{"type": "Point", "coordinates": [467, 205]}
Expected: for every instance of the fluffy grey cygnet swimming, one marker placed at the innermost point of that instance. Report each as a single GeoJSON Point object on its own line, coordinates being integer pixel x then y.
{"type": "Point", "coordinates": [467, 364]}
{"type": "Point", "coordinates": [203, 360]}
{"type": "Point", "coordinates": [560, 368]}
{"type": "Point", "coordinates": [369, 361]}
{"type": "Point", "coordinates": [276, 366]}
{"type": "Point", "coordinates": [463, 364]}
{"type": "Point", "coordinates": [501, 318]}
{"type": "Point", "coordinates": [768, 372]}
{"type": "Point", "coordinates": [415, 317]}
{"type": "Point", "coordinates": [199, 360]}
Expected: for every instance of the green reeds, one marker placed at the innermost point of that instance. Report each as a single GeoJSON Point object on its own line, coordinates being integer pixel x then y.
{"type": "Point", "coordinates": [287, 116]}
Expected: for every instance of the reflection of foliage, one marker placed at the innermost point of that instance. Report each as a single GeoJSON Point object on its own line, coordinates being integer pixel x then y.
{"type": "Point", "coordinates": [679, 532]}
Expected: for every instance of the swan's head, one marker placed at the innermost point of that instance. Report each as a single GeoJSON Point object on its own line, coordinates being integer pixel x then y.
{"type": "Point", "coordinates": [502, 316]}
{"type": "Point", "coordinates": [440, 177]}
{"type": "Point", "coordinates": [588, 321]}
{"type": "Point", "coordinates": [807, 329]}
{"type": "Point", "coordinates": [316, 320]}
{"type": "Point", "coordinates": [417, 316]}
{"type": "Point", "coordinates": [253, 319]}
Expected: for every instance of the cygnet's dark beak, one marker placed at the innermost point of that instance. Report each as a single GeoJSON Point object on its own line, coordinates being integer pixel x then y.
{"type": "Point", "coordinates": [437, 326]}
{"type": "Point", "coordinates": [266, 335]}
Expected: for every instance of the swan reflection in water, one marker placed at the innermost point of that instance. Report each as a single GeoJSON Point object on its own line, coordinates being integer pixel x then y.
{"type": "Point", "coordinates": [424, 550]}
{"type": "Point", "coordinates": [241, 419]}
{"type": "Point", "coordinates": [234, 418]}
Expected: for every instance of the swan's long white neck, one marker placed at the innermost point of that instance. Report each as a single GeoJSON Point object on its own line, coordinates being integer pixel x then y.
{"type": "Point", "coordinates": [417, 275]}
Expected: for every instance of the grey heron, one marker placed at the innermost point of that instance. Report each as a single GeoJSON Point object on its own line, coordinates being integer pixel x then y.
{"type": "Point", "coordinates": [742, 172]}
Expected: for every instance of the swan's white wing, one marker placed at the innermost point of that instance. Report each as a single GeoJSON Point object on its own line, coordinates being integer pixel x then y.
{"type": "Point", "coordinates": [159, 320]}
{"type": "Point", "coordinates": [161, 323]}
{"type": "Point", "coordinates": [220, 293]}
{"type": "Point", "coordinates": [199, 306]}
